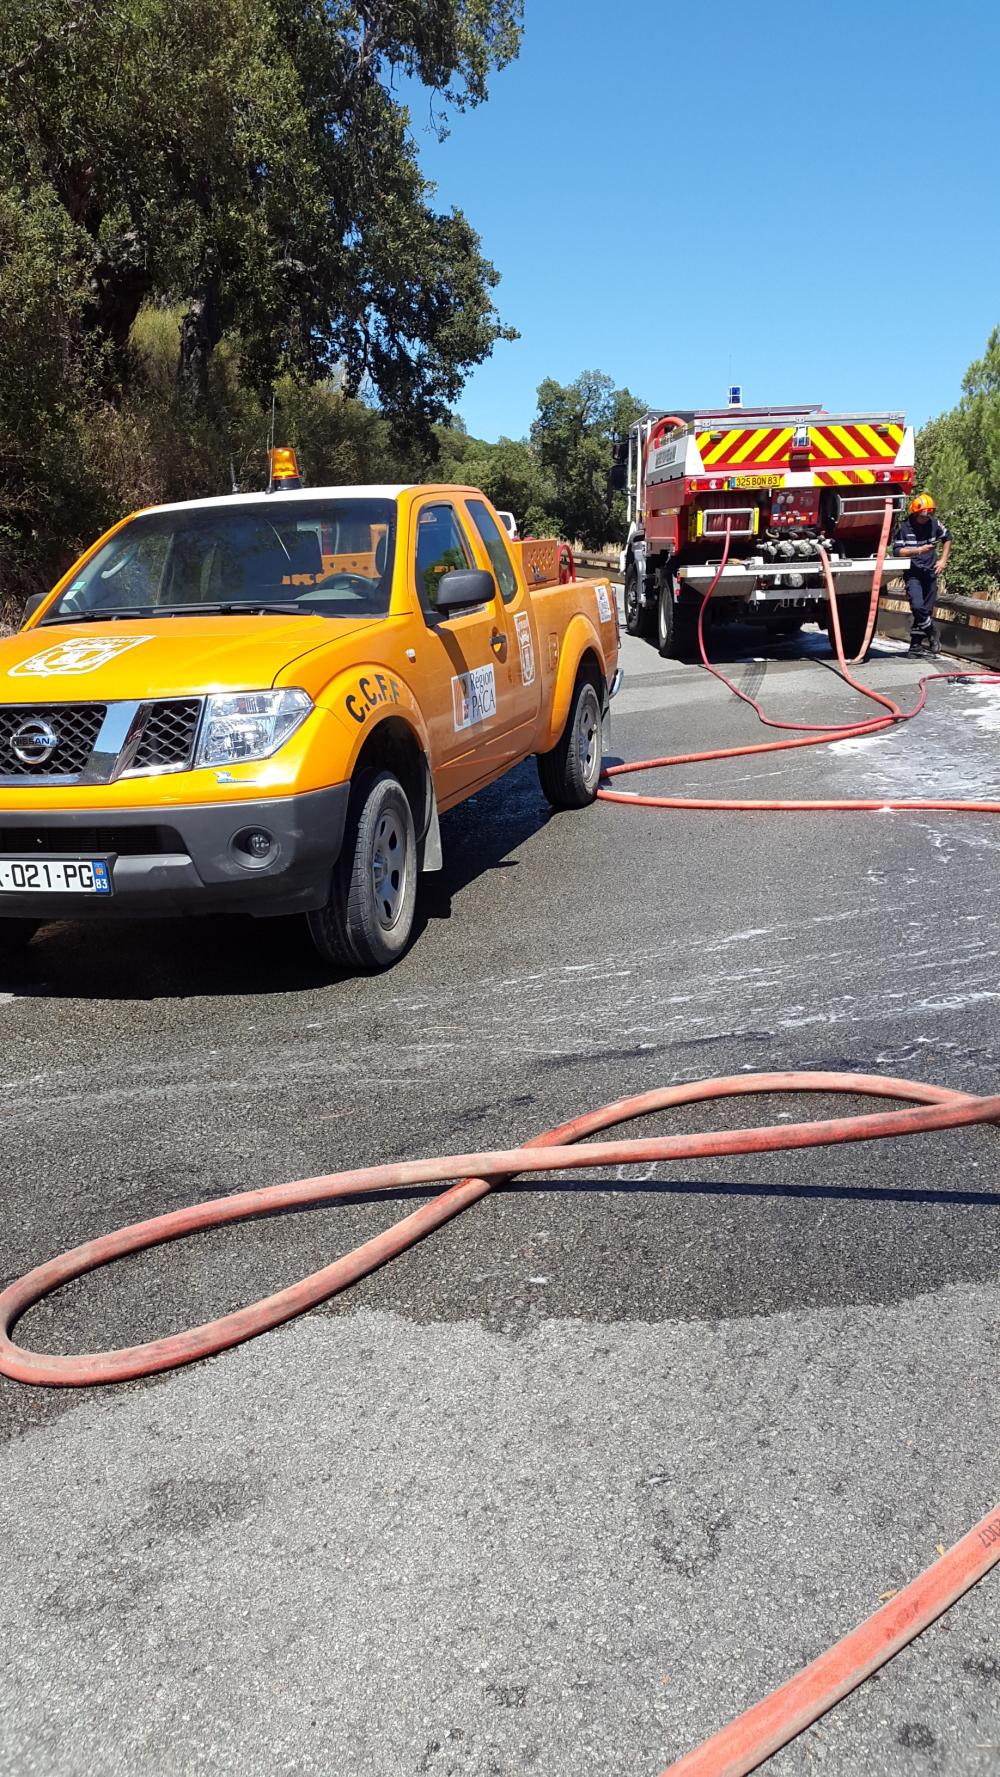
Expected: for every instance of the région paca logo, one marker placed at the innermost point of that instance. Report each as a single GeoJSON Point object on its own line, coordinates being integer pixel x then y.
{"type": "Point", "coordinates": [78, 655]}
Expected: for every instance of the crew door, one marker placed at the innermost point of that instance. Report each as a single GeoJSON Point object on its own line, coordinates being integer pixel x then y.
{"type": "Point", "coordinates": [519, 620]}
{"type": "Point", "coordinates": [464, 660]}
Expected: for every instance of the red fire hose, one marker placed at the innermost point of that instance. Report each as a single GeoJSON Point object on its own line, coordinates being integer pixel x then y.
{"type": "Point", "coordinates": [816, 734]}
{"type": "Point", "coordinates": [743, 1745]}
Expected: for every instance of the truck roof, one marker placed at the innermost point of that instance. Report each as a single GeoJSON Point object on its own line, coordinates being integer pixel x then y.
{"type": "Point", "coordinates": [366, 490]}
{"type": "Point", "coordinates": [704, 416]}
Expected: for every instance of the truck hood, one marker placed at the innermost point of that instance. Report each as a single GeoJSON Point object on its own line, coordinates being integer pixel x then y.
{"type": "Point", "coordinates": [161, 657]}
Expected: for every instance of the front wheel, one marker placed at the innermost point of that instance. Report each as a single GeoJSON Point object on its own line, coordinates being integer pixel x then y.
{"type": "Point", "coordinates": [676, 622]}
{"type": "Point", "coordinates": [570, 773]}
{"type": "Point", "coordinates": [637, 613]}
{"type": "Point", "coordinates": [368, 919]}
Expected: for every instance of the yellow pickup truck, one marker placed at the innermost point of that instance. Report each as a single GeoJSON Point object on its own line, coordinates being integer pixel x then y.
{"type": "Point", "coordinates": [262, 703]}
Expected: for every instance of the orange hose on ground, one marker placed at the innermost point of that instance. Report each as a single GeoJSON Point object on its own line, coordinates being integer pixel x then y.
{"type": "Point", "coordinates": [816, 735]}
{"type": "Point", "coordinates": [772, 1723]}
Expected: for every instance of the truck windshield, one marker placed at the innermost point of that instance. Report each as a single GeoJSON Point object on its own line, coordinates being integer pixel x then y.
{"type": "Point", "coordinates": [331, 558]}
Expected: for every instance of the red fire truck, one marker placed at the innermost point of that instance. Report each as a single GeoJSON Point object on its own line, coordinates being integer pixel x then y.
{"type": "Point", "coordinates": [779, 483]}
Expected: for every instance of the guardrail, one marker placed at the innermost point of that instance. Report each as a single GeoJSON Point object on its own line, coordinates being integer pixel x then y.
{"type": "Point", "coordinates": [969, 627]}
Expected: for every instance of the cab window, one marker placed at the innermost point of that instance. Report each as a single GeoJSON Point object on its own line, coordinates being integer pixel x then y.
{"type": "Point", "coordinates": [441, 546]}
{"type": "Point", "coordinates": [495, 545]}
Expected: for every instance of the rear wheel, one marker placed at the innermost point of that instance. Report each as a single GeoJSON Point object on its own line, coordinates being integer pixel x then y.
{"type": "Point", "coordinates": [853, 613]}
{"type": "Point", "coordinates": [368, 919]}
{"type": "Point", "coordinates": [676, 621]}
{"type": "Point", "coordinates": [570, 773]}
{"type": "Point", "coordinates": [638, 617]}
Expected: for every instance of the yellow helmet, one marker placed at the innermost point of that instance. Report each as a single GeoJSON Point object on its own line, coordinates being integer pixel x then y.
{"type": "Point", "coordinates": [922, 503]}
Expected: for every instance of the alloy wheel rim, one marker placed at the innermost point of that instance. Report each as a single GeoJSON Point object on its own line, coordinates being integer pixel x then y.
{"type": "Point", "coordinates": [589, 739]}
{"type": "Point", "coordinates": [389, 868]}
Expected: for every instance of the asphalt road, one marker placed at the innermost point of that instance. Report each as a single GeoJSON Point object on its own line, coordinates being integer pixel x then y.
{"type": "Point", "coordinates": [601, 1462]}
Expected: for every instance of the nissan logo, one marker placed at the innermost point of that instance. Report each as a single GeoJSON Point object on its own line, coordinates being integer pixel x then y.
{"type": "Point", "coordinates": [34, 742]}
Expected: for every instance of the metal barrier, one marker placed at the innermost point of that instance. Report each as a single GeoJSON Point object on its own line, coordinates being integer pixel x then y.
{"type": "Point", "coordinates": [968, 627]}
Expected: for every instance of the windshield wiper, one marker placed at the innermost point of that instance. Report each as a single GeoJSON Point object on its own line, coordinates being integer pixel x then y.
{"type": "Point", "coordinates": [247, 608]}
{"type": "Point", "coordinates": [112, 614]}
{"type": "Point", "coordinates": [105, 614]}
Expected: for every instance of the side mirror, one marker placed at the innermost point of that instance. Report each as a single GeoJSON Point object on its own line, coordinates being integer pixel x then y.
{"type": "Point", "coordinates": [32, 604]}
{"type": "Point", "coordinates": [618, 474]}
{"type": "Point", "coordinates": [463, 588]}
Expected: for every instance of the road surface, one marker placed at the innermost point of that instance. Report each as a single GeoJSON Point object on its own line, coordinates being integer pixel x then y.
{"type": "Point", "coordinates": [603, 1461]}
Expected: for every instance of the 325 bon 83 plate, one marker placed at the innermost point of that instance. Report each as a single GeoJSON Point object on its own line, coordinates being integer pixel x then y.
{"type": "Point", "coordinates": [74, 876]}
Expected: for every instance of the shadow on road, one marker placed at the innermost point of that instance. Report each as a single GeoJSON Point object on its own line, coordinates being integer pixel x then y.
{"type": "Point", "coordinates": [730, 643]}
{"type": "Point", "coordinates": [194, 958]}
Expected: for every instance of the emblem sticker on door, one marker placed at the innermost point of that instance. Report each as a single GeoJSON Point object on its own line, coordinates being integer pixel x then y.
{"type": "Point", "coordinates": [603, 604]}
{"type": "Point", "coordinates": [522, 624]}
{"type": "Point", "coordinates": [474, 697]}
{"type": "Point", "coordinates": [78, 655]}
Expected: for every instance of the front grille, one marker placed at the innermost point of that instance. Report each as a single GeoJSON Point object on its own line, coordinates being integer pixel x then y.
{"type": "Point", "coordinates": [168, 734]}
{"type": "Point", "coordinates": [75, 726]}
{"type": "Point", "coordinates": [126, 842]}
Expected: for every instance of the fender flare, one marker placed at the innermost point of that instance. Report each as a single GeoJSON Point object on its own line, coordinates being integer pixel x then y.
{"type": "Point", "coordinates": [363, 696]}
{"type": "Point", "coordinates": [581, 638]}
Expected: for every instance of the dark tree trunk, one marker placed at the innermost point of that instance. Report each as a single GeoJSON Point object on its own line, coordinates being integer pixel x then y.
{"type": "Point", "coordinates": [200, 334]}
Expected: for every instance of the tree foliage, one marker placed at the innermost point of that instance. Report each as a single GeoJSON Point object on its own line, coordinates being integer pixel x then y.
{"type": "Point", "coordinates": [250, 170]}
{"type": "Point", "coordinates": [574, 435]}
{"type": "Point", "coordinates": [958, 460]}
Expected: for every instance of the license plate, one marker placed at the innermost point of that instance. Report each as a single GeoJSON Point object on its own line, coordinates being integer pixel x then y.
{"type": "Point", "coordinates": [758, 481]}
{"type": "Point", "coordinates": [42, 876]}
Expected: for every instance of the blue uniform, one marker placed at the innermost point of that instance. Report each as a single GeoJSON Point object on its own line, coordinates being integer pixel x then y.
{"type": "Point", "coordinates": [921, 576]}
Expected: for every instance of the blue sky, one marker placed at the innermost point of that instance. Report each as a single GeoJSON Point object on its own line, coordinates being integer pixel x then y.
{"type": "Point", "coordinates": [800, 198]}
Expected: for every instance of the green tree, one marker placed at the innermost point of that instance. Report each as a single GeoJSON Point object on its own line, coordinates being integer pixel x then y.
{"type": "Point", "coordinates": [574, 436]}
{"type": "Point", "coordinates": [958, 461]}
{"type": "Point", "coordinates": [249, 173]}
{"type": "Point", "coordinates": [256, 164]}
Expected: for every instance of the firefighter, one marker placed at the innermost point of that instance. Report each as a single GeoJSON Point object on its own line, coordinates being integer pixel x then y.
{"type": "Point", "coordinates": [918, 537]}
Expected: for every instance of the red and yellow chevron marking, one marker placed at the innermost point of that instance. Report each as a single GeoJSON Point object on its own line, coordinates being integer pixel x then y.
{"type": "Point", "coordinates": [842, 477]}
{"type": "Point", "coordinates": [746, 446]}
{"type": "Point", "coordinates": [856, 443]}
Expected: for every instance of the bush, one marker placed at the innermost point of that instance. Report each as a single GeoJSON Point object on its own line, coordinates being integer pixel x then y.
{"type": "Point", "coordinates": [974, 564]}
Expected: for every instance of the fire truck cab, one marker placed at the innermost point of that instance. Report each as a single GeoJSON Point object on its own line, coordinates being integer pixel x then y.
{"type": "Point", "coordinates": [779, 483]}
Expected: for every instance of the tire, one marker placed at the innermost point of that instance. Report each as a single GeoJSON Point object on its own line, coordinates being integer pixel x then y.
{"type": "Point", "coordinates": [16, 935]}
{"type": "Point", "coordinates": [853, 623]}
{"type": "Point", "coordinates": [638, 617]}
{"type": "Point", "coordinates": [368, 919]}
{"type": "Point", "coordinates": [570, 773]}
{"type": "Point", "coordinates": [676, 624]}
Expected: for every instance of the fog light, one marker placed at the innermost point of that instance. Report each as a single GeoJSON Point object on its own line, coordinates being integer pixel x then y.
{"type": "Point", "coordinates": [255, 845]}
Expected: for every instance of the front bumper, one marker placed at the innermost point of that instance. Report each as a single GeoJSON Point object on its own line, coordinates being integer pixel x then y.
{"type": "Point", "coordinates": [184, 860]}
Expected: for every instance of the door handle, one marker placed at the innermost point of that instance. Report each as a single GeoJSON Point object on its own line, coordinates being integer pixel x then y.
{"type": "Point", "coordinates": [498, 642]}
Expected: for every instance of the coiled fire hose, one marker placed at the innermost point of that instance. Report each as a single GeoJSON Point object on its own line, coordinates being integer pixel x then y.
{"type": "Point", "coordinates": [780, 1717]}
{"type": "Point", "coordinates": [809, 734]}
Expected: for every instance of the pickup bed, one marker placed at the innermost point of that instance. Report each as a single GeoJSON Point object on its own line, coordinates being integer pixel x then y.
{"type": "Point", "coordinates": [263, 703]}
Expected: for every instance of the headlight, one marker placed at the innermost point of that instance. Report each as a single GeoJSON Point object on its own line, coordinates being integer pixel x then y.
{"type": "Point", "coordinates": [249, 725]}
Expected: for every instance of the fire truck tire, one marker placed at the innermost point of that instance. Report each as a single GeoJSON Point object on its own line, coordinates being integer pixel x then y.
{"type": "Point", "coordinates": [367, 921]}
{"type": "Point", "coordinates": [570, 773]}
{"type": "Point", "coordinates": [676, 623]}
{"type": "Point", "coordinates": [853, 613]}
{"type": "Point", "coordinates": [638, 616]}
{"type": "Point", "coordinates": [15, 934]}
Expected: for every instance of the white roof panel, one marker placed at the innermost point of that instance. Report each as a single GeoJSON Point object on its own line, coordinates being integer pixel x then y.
{"type": "Point", "coordinates": [359, 490]}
